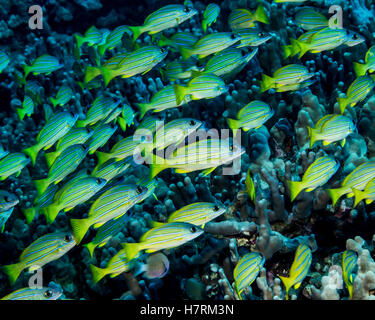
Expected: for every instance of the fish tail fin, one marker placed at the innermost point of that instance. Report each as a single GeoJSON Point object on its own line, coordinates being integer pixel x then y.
{"type": "Point", "coordinates": [336, 194]}
{"type": "Point", "coordinates": [122, 123]}
{"type": "Point", "coordinates": [181, 92]}
{"type": "Point", "coordinates": [359, 196]}
{"type": "Point", "coordinates": [137, 31]}
{"type": "Point", "coordinates": [91, 248]}
{"type": "Point", "coordinates": [294, 47]}
{"type": "Point", "coordinates": [81, 123]}
{"type": "Point", "coordinates": [143, 108]}
{"type": "Point", "coordinates": [204, 26]}
{"type": "Point", "coordinates": [41, 185]}
{"type": "Point", "coordinates": [304, 47]}
{"type": "Point", "coordinates": [158, 164]}
{"type": "Point", "coordinates": [21, 113]}
{"type": "Point", "coordinates": [91, 73]}
{"type": "Point", "coordinates": [13, 271]}
{"type": "Point", "coordinates": [163, 41]}
{"type": "Point", "coordinates": [51, 157]}
{"type": "Point", "coordinates": [360, 69]}
{"type": "Point", "coordinates": [30, 214]}
{"type": "Point", "coordinates": [102, 49]}
{"type": "Point", "coordinates": [80, 228]}
{"type": "Point", "coordinates": [80, 40]}
{"type": "Point", "coordinates": [51, 212]}
{"type": "Point", "coordinates": [312, 135]}
{"type": "Point", "coordinates": [343, 102]}
{"type": "Point", "coordinates": [287, 51]}
{"type": "Point", "coordinates": [261, 15]}
{"type": "Point", "coordinates": [131, 249]}
{"type": "Point", "coordinates": [97, 273]}
{"type": "Point", "coordinates": [186, 53]}
{"type": "Point", "coordinates": [155, 224]}
{"type": "Point", "coordinates": [102, 157]}
{"type": "Point", "coordinates": [287, 283]}
{"type": "Point", "coordinates": [53, 101]}
{"type": "Point", "coordinates": [32, 152]}
{"type": "Point", "coordinates": [234, 125]}
{"type": "Point", "coordinates": [108, 75]}
{"type": "Point", "coordinates": [26, 70]}
{"type": "Point", "coordinates": [266, 83]}
{"type": "Point", "coordinates": [295, 188]}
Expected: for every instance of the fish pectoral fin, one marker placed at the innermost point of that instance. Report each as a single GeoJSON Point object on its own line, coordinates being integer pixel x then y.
{"type": "Point", "coordinates": [18, 173]}
{"type": "Point", "coordinates": [326, 143]}
{"type": "Point", "coordinates": [309, 189]}
{"type": "Point", "coordinates": [98, 225]}
{"type": "Point", "coordinates": [297, 285]}
{"type": "Point", "coordinates": [208, 171]}
{"type": "Point", "coordinates": [368, 201]}
{"type": "Point", "coordinates": [342, 143]}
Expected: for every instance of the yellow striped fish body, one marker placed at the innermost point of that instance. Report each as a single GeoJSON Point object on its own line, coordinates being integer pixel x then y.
{"type": "Point", "coordinates": [72, 195]}
{"type": "Point", "coordinates": [92, 37]}
{"type": "Point", "coordinates": [167, 236]}
{"type": "Point", "coordinates": [65, 164]}
{"type": "Point", "coordinates": [201, 155]}
{"type": "Point", "coordinates": [209, 44]}
{"type": "Point", "coordinates": [227, 61]}
{"type": "Point", "coordinates": [110, 205]}
{"type": "Point", "coordinates": [210, 15]}
{"type": "Point", "coordinates": [166, 17]}
{"type": "Point", "coordinates": [327, 39]}
{"type": "Point", "coordinates": [137, 62]}
{"type": "Point", "coordinates": [206, 86]}
{"type": "Point", "coordinates": [44, 293]}
{"type": "Point", "coordinates": [243, 18]}
{"type": "Point", "coordinates": [316, 175]}
{"type": "Point", "coordinates": [11, 164]}
{"type": "Point", "coordinates": [178, 69]}
{"type": "Point", "coordinates": [113, 39]}
{"type": "Point", "coordinates": [101, 108]}
{"type": "Point", "coordinates": [63, 96]}
{"type": "Point", "coordinates": [108, 230]}
{"type": "Point", "coordinates": [4, 61]}
{"type": "Point", "coordinates": [370, 53]}
{"type": "Point", "coordinates": [331, 128]}
{"type": "Point", "coordinates": [361, 69]}
{"type": "Point", "coordinates": [178, 40]}
{"type": "Point", "coordinates": [368, 193]}
{"type": "Point", "coordinates": [174, 132]}
{"type": "Point", "coordinates": [115, 266]}
{"type": "Point", "coordinates": [357, 91]}
{"type": "Point", "coordinates": [123, 149]}
{"type": "Point", "coordinates": [45, 249]}
{"type": "Point", "coordinates": [252, 37]}
{"type": "Point", "coordinates": [27, 108]}
{"type": "Point", "coordinates": [299, 269]}
{"type": "Point", "coordinates": [309, 19]}
{"type": "Point", "coordinates": [349, 264]}
{"type": "Point", "coordinates": [161, 100]}
{"type": "Point", "coordinates": [288, 75]}
{"type": "Point", "coordinates": [357, 179]}
{"type": "Point", "coordinates": [101, 134]}
{"type": "Point", "coordinates": [43, 64]}
{"type": "Point", "coordinates": [198, 213]}
{"type": "Point", "coordinates": [56, 127]}
{"type": "Point", "coordinates": [7, 203]}
{"type": "Point", "coordinates": [252, 116]}
{"type": "Point", "coordinates": [74, 136]}
{"type": "Point", "coordinates": [111, 169]}
{"type": "Point", "coordinates": [247, 270]}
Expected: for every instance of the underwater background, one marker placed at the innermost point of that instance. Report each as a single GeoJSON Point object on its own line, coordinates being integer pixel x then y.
{"type": "Point", "coordinates": [293, 220]}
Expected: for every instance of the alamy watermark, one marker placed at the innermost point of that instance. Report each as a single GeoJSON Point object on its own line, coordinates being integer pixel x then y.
{"type": "Point", "coordinates": [36, 20]}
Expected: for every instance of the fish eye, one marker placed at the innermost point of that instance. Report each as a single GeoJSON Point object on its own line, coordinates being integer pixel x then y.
{"type": "Point", "coordinates": [72, 113]}
{"type": "Point", "coordinates": [68, 238]}
{"type": "Point", "coordinates": [233, 36]}
{"type": "Point", "coordinates": [192, 122]}
{"type": "Point", "coordinates": [231, 147]}
{"type": "Point", "coordinates": [216, 208]}
{"type": "Point", "coordinates": [260, 34]}
{"type": "Point", "coordinates": [139, 189]}
{"type": "Point", "coordinates": [162, 50]}
{"type": "Point", "coordinates": [193, 229]}
{"type": "Point", "coordinates": [355, 36]}
{"type": "Point", "coordinates": [48, 293]}
{"type": "Point", "coordinates": [186, 9]}
{"type": "Point", "coordinates": [98, 181]}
